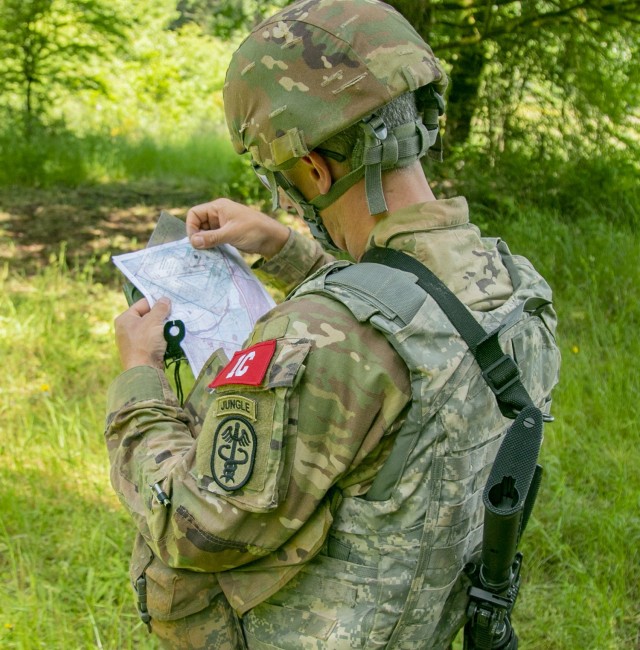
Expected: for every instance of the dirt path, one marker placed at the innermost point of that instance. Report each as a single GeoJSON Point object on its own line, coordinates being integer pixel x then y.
{"type": "Point", "coordinates": [94, 221]}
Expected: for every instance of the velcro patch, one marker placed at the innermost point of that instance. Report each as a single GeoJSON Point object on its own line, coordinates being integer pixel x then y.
{"type": "Point", "coordinates": [247, 367]}
{"type": "Point", "coordinates": [236, 405]}
{"type": "Point", "coordinates": [233, 453]}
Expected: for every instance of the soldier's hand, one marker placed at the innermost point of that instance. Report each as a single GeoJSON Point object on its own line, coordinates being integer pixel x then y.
{"type": "Point", "coordinates": [226, 222]}
{"type": "Point", "coordinates": [140, 334]}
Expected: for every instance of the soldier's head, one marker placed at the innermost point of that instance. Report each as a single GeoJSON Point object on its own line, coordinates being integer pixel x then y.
{"type": "Point", "coordinates": [350, 80]}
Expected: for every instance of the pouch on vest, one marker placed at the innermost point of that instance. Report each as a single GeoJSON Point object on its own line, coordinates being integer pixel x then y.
{"type": "Point", "coordinates": [164, 593]}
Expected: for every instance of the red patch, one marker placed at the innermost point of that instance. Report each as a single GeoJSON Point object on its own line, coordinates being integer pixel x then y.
{"type": "Point", "coordinates": [248, 366]}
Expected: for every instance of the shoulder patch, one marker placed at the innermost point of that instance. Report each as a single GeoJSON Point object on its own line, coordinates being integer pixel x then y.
{"type": "Point", "coordinates": [288, 360]}
{"type": "Point", "coordinates": [247, 367]}
{"type": "Point", "coordinates": [234, 452]}
{"type": "Point", "coordinates": [236, 405]}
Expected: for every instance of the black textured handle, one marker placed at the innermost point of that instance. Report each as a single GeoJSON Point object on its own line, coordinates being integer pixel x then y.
{"type": "Point", "coordinates": [505, 495]}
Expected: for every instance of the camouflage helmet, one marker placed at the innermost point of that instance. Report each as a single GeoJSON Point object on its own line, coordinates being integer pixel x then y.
{"type": "Point", "coordinates": [319, 66]}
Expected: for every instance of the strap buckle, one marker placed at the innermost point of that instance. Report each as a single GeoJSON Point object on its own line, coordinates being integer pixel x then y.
{"type": "Point", "coordinates": [501, 374]}
{"type": "Point", "coordinates": [374, 125]}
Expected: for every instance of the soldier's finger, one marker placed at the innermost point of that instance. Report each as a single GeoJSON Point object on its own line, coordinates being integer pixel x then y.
{"type": "Point", "coordinates": [141, 307]}
{"type": "Point", "coordinates": [205, 239]}
{"type": "Point", "coordinates": [203, 216]}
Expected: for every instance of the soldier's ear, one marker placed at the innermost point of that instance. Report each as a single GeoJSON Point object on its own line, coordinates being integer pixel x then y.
{"type": "Point", "coordinates": [319, 171]}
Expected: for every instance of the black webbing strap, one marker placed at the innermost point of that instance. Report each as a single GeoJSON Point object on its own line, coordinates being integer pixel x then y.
{"type": "Point", "coordinates": [498, 369]}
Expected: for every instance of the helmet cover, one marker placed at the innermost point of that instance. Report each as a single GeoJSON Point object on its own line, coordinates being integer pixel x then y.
{"type": "Point", "coordinates": [314, 69]}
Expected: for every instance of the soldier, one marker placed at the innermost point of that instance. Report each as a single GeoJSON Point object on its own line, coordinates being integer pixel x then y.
{"type": "Point", "coordinates": [326, 494]}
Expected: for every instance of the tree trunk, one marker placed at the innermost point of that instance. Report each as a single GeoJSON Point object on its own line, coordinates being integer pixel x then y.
{"type": "Point", "coordinates": [28, 110]}
{"type": "Point", "coordinates": [462, 102]}
{"type": "Point", "coordinates": [466, 74]}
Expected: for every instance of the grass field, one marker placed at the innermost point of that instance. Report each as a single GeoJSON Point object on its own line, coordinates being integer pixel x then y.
{"type": "Point", "coordinates": [64, 539]}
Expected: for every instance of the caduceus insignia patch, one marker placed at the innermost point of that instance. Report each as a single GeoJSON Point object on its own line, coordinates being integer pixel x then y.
{"type": "Point", "coordinates": [234, 453]}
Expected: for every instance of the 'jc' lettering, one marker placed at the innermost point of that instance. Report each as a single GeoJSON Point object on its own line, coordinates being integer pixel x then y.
{"type": "Point", "coordinates": [241, 367]}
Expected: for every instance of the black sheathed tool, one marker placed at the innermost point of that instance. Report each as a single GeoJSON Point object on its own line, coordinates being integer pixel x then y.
{"type": "Point", "coordinates": [508, 498]}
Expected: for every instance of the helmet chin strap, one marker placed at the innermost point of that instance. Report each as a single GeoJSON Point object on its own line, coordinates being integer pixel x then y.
{"type": "Point", "coordinates": [382, 149]}
{"type": "Point", "coordinates": [310, 213]}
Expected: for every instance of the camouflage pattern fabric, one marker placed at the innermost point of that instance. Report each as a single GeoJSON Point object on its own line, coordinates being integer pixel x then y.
{"type": "Point", "coordinates": [291, 548]}
{"type": "Point", "coordinates": [214, 628]}
{"type": "Point", "coordinates": [299, 258]}
{"type": "Point", "coordinates": [152, 441]}
{"type": "Point", "coordinates": [415, 538]}
{"type": "Point", "coordinates": [469, 265]}
{"type": "Point", "coordinates": [390, 573]}
{"type": "Point", "coordinates": [320, 65]}
{"type": "Point", "coordinates": [188, 610]}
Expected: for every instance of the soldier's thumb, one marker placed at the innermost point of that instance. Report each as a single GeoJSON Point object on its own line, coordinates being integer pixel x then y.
{"type": "Point", "coordinates": [162, 308]}
{"type": "Point", "coordinates": [206, 239]}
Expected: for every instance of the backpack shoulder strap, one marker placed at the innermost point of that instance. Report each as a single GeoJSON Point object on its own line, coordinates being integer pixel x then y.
{"type": "Point", "coordinates": [498, 369]}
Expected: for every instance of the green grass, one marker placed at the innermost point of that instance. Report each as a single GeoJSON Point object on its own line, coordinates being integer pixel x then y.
{"type": "Point", "coordinates": [64, 539]}
{"type": "Point", "coordinates": [583, 548]}
{"type": "Point", "coordinates": [63, 158]}
{"type": "Point", "coordinates": [63, 535]}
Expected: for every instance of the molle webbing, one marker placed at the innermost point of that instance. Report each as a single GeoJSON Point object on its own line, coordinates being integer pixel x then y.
{"type": "Point", "coordinates": [394, 294]}
{"type": "Point", "coordinates": [427, 495]}
{"type": "Point", "coordinates": [397, 296]}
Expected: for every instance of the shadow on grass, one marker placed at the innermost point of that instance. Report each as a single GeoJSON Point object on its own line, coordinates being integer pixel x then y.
{"type": "Point", "coordinates": [88, 221]}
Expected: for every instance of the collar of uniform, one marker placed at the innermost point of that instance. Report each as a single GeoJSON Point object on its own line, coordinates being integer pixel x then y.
{"type": "Point", "coordinates": [431, 215]}
{"type": "Point", "coordinates": [438, 233]}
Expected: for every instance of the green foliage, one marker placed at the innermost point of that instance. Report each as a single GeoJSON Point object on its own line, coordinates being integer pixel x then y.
{"type": "Point", "coordinates": [602, 186]}
{"type": "Point", "coordinates": [87, 65]}
{"type": "Point", "coordinates": [582, 550]}
{"type": "Point", "coordinates": [553, 83]}
{"type": "Point", "coordinates": [545, 75]}
{"type": "Point", "coordinates": [223, 18]}
{"type": "Point", "coordinates": [61, 157]}
{"type": "Point", "coordinates": [62, 534]}
{"type": "Point", "coordinates": [48, 47]}
{"type": "Point", "coordinates": [156, 111]}
{"type": "Point", "coordinates": [566, 89]}
{"type": "Point", "coordinates": [169, 84]}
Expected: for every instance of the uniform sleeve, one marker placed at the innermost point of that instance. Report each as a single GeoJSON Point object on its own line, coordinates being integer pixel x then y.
{"type": "Point", "coordinates": [276, 440]}
{"type": "Point", "coordinates": [299, 258]}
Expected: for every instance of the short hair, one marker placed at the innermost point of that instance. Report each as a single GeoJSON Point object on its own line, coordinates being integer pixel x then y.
{"type": "Point", "coordinates": [401, 110]}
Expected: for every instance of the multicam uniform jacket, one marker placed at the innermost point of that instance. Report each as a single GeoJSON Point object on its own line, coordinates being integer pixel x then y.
{"type": "Point", "coordinates": [271, 491]}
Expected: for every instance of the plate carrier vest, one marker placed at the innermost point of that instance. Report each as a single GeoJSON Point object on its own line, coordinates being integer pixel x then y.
{"type": "Point", "coordinates": [410, 536]}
